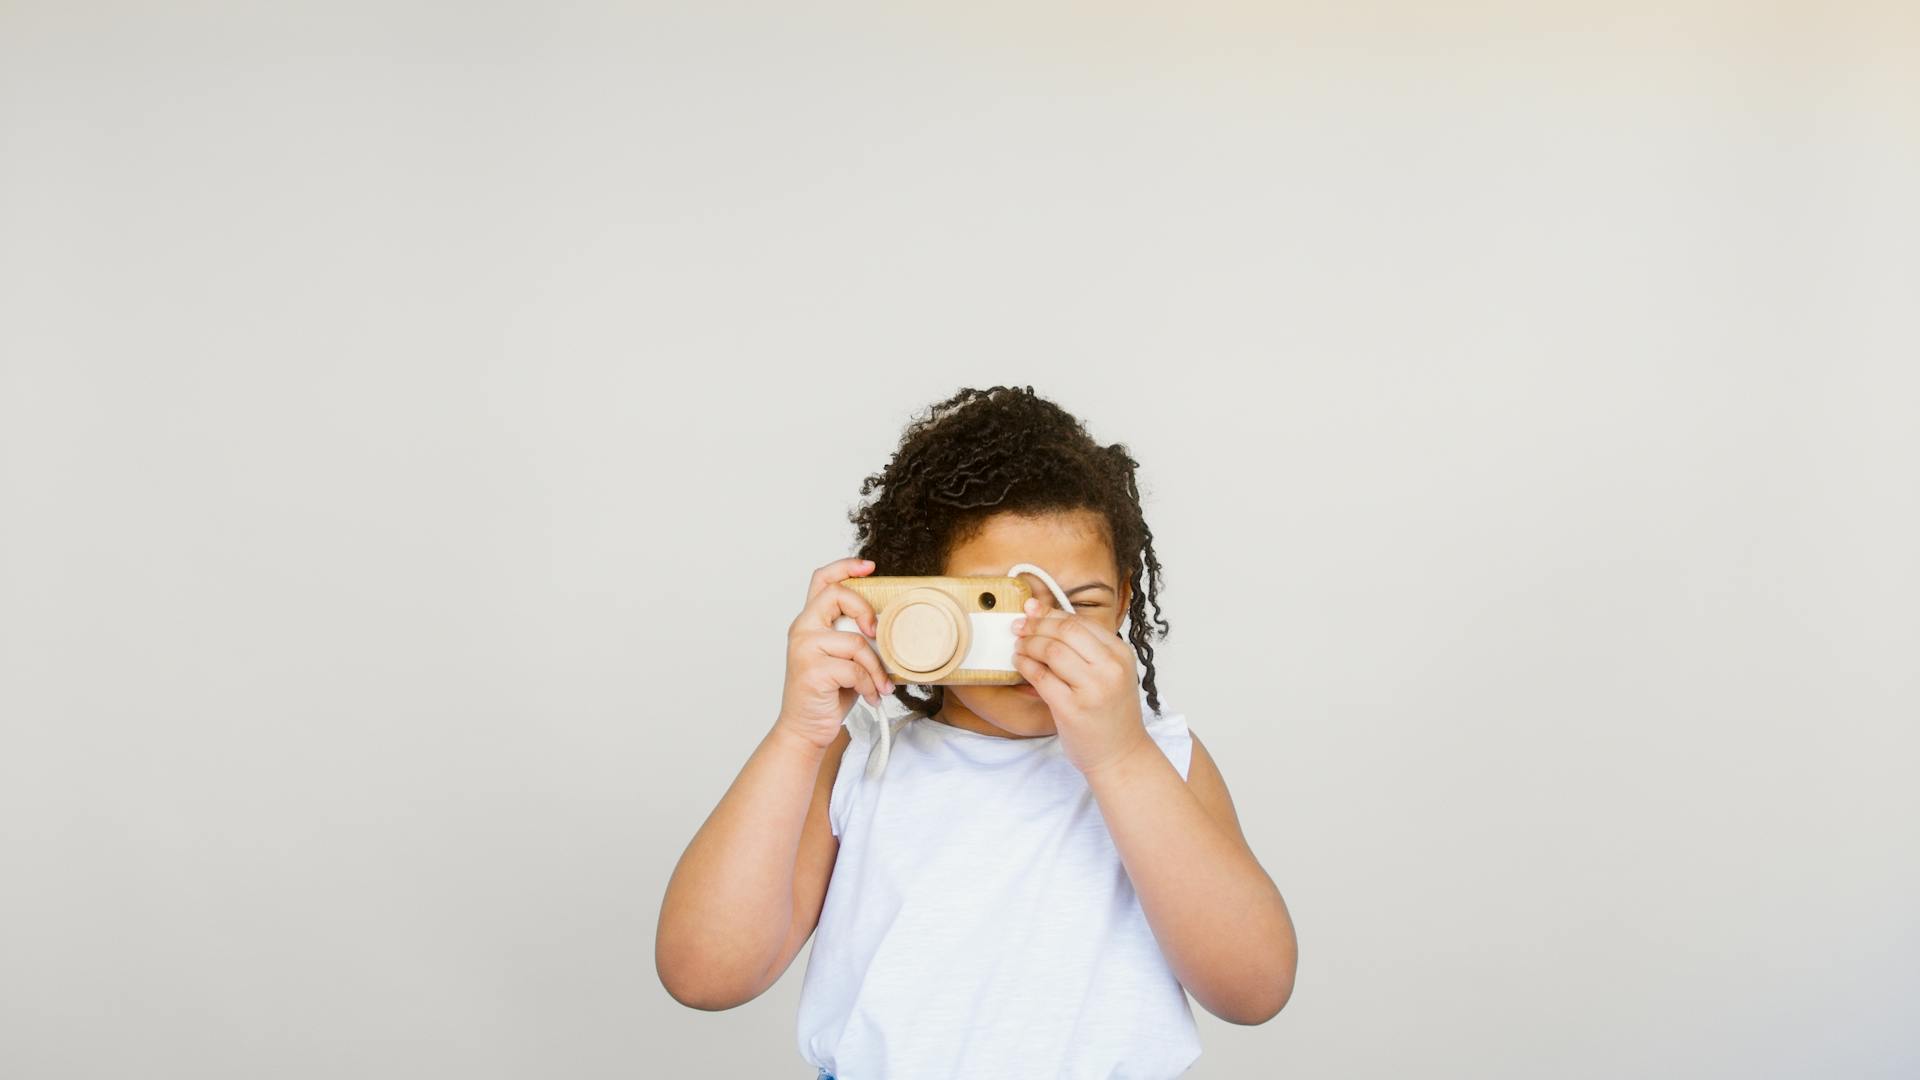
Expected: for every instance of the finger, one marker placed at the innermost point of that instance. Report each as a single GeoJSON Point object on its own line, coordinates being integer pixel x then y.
{"type": "Point", "coordinates": [1059, 657]}
{"type": "Point", "coordinates": [837, 570]}
{"type": "Point", "coordinates": [835, 600]}
{"type": "Point", "coordinates": [1075, 631]}
{"type": "Point", "coordinates": [851, 646]}
{"type": "Point", "coordinates": [851, 674]}
{"type": "Point", "coordinates": [1052, 688]}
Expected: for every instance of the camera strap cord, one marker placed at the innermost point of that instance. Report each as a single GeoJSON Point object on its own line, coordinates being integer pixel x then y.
{"type": "Point", "coordinates": [991, 629]}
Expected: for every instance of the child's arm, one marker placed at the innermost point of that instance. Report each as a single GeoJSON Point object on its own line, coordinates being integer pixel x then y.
{"type": "Point", "coordinates": [748, 890]}
{"type": "Point", "coordinates": [1218, 917]}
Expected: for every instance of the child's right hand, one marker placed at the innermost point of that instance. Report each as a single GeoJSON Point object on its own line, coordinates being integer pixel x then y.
{"type": "Point", "coordinates": [826, 667]}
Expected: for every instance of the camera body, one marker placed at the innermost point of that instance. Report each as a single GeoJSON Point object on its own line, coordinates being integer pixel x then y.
{"type": "Point", "coordinates": [943, 631]}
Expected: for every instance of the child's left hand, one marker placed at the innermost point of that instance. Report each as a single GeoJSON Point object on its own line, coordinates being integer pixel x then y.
{"type": "Point", "coordinates": [1089, 677]}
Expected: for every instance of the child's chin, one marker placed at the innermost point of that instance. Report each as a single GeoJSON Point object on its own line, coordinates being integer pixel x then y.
{"type": "Point", "coordinates": [1022, 714]}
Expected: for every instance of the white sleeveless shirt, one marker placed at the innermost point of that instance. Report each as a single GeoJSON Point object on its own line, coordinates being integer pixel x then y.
{"type": "Point", "coordinates": [979, 922]}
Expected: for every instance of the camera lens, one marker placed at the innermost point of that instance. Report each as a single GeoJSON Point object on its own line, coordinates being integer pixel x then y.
{"type": "Point", "coordinates": [986, 601]}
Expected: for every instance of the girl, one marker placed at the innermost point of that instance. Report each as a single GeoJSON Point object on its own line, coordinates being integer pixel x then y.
{"type": "Point", "coordinates": [1033, 877]}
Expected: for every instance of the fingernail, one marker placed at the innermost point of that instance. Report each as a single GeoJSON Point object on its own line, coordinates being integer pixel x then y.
{"type": "Point", "coordinates": [1020, 622]}
{"type": "Point", "coordinates": [1031, 604]}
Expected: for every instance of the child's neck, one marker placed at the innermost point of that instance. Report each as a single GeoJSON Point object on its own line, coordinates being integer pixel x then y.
{"type": "Point", "coordinates": [954, 714]}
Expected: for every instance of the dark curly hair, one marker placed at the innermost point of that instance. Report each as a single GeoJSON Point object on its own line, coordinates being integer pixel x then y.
{"type": "Point", "coordinates": [1005, 450]}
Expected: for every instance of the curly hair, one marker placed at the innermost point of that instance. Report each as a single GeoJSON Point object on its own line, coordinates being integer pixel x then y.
{"type": "Point", "coordinates": [1005, 450]}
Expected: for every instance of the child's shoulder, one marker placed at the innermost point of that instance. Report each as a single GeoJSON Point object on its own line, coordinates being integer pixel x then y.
{"type": "Point", "coordinates": [1167, 726]}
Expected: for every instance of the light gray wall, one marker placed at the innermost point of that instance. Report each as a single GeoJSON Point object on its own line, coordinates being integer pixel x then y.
{"type": "Point", "coordinates": [406, 409]}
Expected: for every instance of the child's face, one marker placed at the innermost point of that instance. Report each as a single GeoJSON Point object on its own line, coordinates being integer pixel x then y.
{"type": "Point", "coordinates": [1073, 548]}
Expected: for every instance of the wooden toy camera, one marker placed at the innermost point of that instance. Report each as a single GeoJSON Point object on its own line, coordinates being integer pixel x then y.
{"type": "Point", "coordinates": [943, 631]}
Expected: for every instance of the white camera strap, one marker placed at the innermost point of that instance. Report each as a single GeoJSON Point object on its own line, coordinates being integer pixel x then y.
{"type": "Point", "coordinates": [992, 637]}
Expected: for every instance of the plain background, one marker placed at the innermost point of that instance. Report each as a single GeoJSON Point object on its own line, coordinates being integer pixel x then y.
{"type": "Point", "coordinates": [418, 424]}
